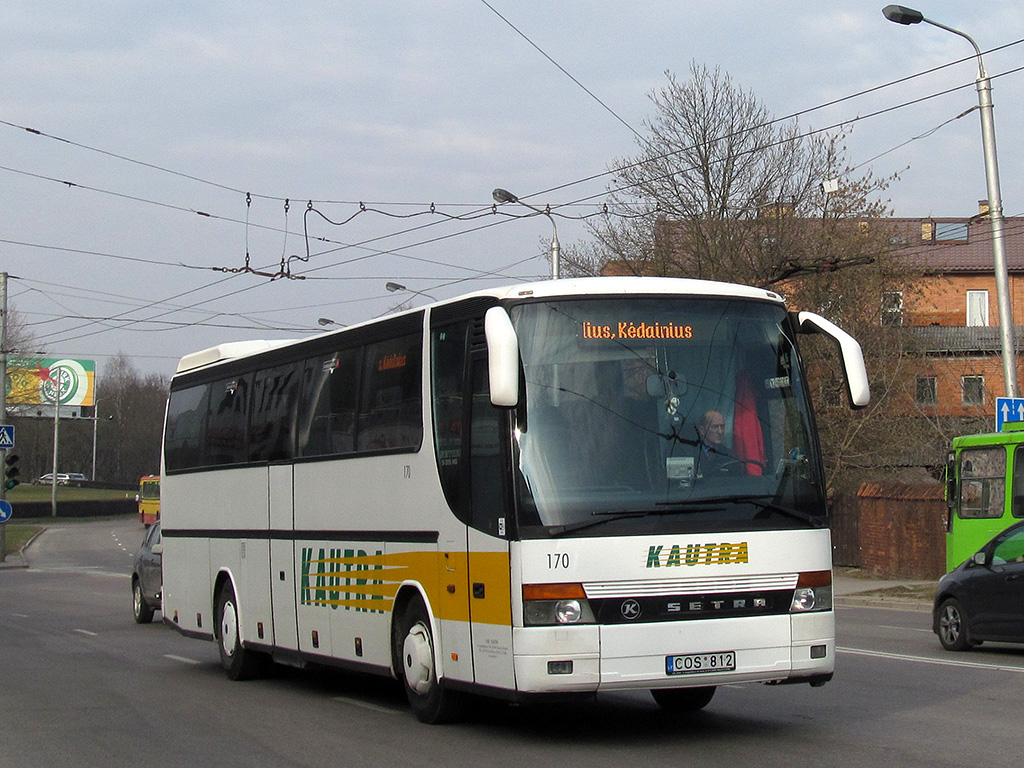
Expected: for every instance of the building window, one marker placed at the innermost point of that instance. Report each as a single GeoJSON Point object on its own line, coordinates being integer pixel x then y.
{"type": "Point", "coordinates": [977, 308]}
{"type": "Point", "coordinates": [892, 307]}
{"type": "Point", "coordinates": [926, 391]}
{"type": "Point", "coordinates": [973, 390]}
{"type": "Point", "coordinates": [951, 230]}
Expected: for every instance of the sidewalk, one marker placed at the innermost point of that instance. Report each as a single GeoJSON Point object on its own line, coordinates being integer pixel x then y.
{"type": "Point", "coordinates": [851, 586]}
{"type": "Point", "coordinates": [16, 560]}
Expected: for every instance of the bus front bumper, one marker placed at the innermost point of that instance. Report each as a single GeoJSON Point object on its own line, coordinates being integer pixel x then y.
{"type": "Point", "coordinates": [768, 649]}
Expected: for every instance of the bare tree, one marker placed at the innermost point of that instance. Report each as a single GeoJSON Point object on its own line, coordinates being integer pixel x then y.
{"type": "Point", "coordinates": [131, 409]}
{"type": "Point", "coordinates": [722, 190]}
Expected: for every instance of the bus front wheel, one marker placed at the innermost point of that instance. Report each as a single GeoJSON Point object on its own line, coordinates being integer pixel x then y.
{"type": "Point", "coordinates": [429, 699]}
{"type": "Point", "coordinates": [683, 699]}
{"type": "Point", "coordinates": [238, 662]}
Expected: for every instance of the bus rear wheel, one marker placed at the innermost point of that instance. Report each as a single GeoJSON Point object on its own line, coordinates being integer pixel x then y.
{"type": "Point", "coordinates": [683, 699]}
{"type": "Point", "coordinates": [413, 647]}
{"type": "Point", "coordinates": [238, 662]}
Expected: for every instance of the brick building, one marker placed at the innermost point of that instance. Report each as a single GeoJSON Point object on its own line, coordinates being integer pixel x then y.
{"type": "Point", "coordinates": [953, 310]}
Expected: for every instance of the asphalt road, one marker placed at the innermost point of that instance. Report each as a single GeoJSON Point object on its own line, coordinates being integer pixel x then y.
{"type": "Point", "coordinates": [82, 685]}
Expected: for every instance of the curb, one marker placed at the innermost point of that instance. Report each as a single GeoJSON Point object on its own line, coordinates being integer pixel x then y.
{"type": "Point", "coordinates": [21, 560]}
{"type": "Point", "coordinates": [12, 561]}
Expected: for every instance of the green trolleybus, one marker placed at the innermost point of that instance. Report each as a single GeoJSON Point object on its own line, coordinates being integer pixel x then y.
{"type": "Point", "coordinates": [984, 489]}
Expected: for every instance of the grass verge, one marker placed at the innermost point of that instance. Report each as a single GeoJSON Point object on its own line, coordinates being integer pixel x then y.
{"type": "Point", "coordinates": [17, 536]}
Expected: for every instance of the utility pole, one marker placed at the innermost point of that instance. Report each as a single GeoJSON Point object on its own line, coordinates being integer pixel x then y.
{"type": "Point", "coordinates": [3, 393]}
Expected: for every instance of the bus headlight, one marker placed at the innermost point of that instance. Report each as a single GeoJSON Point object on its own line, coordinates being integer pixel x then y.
{"type": "Point", "coordinates": [555, 605]}
{"type": "Point", "coordinates": [813, 592]}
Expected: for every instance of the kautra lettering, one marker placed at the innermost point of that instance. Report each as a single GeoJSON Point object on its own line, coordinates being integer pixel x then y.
{"type": "Point", "coordinates": [323, 576]}
{"type": "Point", "coordinates": [724, 553]}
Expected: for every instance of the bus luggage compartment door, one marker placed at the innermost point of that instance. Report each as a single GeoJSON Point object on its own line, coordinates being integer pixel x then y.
{"type": "Point", "coordinates": [282, 558]}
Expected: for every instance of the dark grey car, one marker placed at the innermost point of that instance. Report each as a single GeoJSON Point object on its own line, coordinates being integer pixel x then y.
{"type": "Point", "coordinates": [147, 576]}
{"type": "Point", "coordinates": [983, 598]}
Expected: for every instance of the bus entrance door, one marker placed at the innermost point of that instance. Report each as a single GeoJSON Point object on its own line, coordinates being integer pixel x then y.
{"type": "Point", "coordinates": [490, 587]}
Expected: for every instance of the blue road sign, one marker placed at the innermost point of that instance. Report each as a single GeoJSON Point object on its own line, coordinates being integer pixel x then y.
{"type": "Point", "coordinates": [6, 510]}
{"type": "Point", "coordinates": [1008, 409]}
{"type": "Point", "coordinates": [6, 436]}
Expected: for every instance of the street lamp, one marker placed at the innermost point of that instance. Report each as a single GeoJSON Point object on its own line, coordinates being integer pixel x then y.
{"type": "Point", "coordinates": [902, 15]}
{"type": "Point", "coordinates": [326, 321]}
{"type": "Point", "coordinates": [504, 196]}
{"type": "Point", "coordinates": [394, 287]}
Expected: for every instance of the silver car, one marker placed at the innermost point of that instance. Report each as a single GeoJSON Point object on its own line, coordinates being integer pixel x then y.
{"type": "Point", "coordinates": [147, 575]}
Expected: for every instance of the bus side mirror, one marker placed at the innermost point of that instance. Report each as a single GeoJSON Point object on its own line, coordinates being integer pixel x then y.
{"type": "Point", "coordinates": [502, 357]}
{"type": "Point", "coordinates": [850, 354]}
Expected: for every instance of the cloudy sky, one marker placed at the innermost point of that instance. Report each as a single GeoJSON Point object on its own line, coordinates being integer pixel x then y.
{"type": "Point", "coordinates": [166, 139]}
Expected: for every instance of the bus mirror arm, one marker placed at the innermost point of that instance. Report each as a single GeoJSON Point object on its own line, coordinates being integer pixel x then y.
{"type": "Point", "coordinates": [850, 353]}
{"type": "Point", "coordinates": [502, 358]}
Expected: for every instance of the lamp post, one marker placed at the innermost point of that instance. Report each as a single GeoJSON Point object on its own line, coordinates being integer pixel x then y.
{"type": "Point", "coordinates": [326, 322]}
{"type": "Point", "coordinates": [504, 196]}
{"type": "Point", "coordinates": [394, 287]}
{"type": "Point", "coordinates": [902, 15]}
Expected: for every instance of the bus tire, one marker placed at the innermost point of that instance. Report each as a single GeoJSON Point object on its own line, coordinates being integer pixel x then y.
{"type": "Point", "coordinates": [413, 645]}
{"type": "Point", "coordinates": [143, 613]}
{"type": "Point", "coordinates": [238, 662]}
{"type": "Point", "coordinates": [953, 626]}
{"type": "Point", "coordinates": [683, 699]}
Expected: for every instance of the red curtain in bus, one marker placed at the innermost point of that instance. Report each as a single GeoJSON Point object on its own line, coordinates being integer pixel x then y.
{"type": "Point", "coordinates": [748, 440]}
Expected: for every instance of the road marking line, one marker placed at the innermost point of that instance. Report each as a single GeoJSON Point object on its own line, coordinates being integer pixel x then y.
{"type": "Point", "coordinates": [182, 659]}
{"type": "Point", "coordinates": [905, 629]}
{"type": "Point", "coordinates": [85, 632]}
{"type": "Point", "coordinates": [926, 660]}
{"type": "Point", "coordinates": [367, 705]}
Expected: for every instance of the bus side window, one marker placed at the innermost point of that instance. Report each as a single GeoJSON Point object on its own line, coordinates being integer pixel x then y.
{"type": "Point", "coordinates": [227, 429]}
{"type": "Point", "coordinates": [1017, 492]}
{"type": "Point", "coordinates": [274, 404]}
{"type": "Point", "coordinates": [487, 483]}
{"type": "Point", "coordinates": [330, 388]}
{"type": "Point", "coordinates": [390, 409]}
{"type": "Point", "coordinates": [185, 434]}
{"type": "Point", "coordinates": [448, 375]}
{"type": "Point", "coordinates": [982, 482]}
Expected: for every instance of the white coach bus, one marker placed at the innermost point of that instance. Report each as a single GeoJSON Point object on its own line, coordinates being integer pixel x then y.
{"type": "Point", "coordinates": [565, 487]}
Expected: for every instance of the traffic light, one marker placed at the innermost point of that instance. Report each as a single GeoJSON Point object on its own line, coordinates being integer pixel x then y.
{"type": "Point", "coordinates": [11, 471]}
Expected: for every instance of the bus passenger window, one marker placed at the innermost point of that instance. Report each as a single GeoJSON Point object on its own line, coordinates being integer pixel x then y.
{"type": "Point", "coordinates": [1017, 491]}
{"type": "Point", "coordinates": [226, 432]}
{"type": "Point", "coordinates": [390, 403]}
{"type": "Point", "coordinates": [982, 483]}
{"type": "Point", "coordinates": [330, 385]}
{"type": "Point", "coordinates": [185, 435]}
{"type": "Point", "coordinates": [273, 414]}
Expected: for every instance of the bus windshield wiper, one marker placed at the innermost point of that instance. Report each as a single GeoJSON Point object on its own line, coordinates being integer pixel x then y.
{"type": "Point", "coordinates": [796, 514]}
{"type": "Point", "coordinates": [761, 500]}
{"type": "Point", "coordinates": [610, 516]}
{"type": "Point", "coordinates": [715, 501]}
{"type": "Point", "coordinates": [605, 517]}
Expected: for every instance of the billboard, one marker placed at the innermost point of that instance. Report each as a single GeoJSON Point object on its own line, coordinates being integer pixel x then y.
{"type": "Point", "coordinates": [37, 382]}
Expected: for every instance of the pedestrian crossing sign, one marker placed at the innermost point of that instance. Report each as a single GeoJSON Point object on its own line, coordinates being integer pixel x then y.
{"type": "Point", "coordinates": [6, 436]}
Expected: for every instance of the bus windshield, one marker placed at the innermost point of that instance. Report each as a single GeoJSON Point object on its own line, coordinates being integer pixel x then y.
{"type": "Point", "coordinates": [667, 414]}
